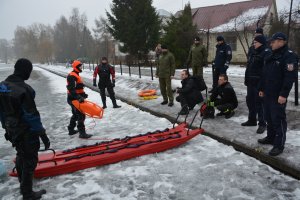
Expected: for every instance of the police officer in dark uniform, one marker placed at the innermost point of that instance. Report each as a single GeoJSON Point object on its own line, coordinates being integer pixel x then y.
{"type": "Point", "coordinates": [22, 123]}
{"type": "Point", "coordinates": [189, 93]}
{"type": "Point", "coordinates": [252, 78]}
{"type": "Point", "coordinates": [75, 88]}
{"type": "Point", "coordinates": [222, 60]}
{"type": "Point", "coordinates": [104, 71]}
{"type": "Point", "coordinates": [279, 74]}
{"type": "Point", "coordinates": [224, 97]}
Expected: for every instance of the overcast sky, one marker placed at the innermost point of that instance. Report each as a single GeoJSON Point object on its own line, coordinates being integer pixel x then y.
{"type": "Point", "coordinates": [23, 13]}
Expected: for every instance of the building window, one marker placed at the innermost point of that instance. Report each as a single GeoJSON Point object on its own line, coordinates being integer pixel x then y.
{"type": "Point", "coordinates": [232, 42]}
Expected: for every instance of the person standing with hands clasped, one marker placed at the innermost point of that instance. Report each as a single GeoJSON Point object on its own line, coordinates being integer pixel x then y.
{"type": "Point", "coordinates": [165, 72]}
{"type": "Point", "coordinates": [22, 123]}
{"type": "Point", "coordinates": [104, 71]}
{"type": "Point", "coordinates": [75, 88]}
{"type": "Point", "coordinates": [279, 74]}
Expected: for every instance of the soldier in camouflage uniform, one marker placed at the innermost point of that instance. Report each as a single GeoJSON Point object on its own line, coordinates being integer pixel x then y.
{"type": "Point", "coordinates": [197, 57]}
{"type": "Point", "coordinates": [165, 72]}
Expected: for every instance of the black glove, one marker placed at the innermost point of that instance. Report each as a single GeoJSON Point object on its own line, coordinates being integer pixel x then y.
{"type": "Point", "coordinates": [45, 140]}
{"type": "Point", "coordinates": [113, 83]}
{"type": "Point", "coordinates": [80, 99]}
{"type": "Point", "coordinates": [85, 95]}
{"type": "Point", "coordinates": [94, 83]}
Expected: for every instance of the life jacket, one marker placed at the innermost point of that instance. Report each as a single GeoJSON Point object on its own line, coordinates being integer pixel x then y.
{"type": "Point", "coordinates": [79, 84]}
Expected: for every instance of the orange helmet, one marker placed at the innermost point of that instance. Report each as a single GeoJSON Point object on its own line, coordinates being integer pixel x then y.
{"type": "Point", "coordinates": [76, 64]}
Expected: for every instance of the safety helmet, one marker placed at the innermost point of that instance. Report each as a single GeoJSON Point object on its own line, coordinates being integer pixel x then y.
{"type": "Point", "coordinates": [76, 64]}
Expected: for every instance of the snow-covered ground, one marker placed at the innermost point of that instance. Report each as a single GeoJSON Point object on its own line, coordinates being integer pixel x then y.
{"type": "Point", "coordinates": [200, 169]}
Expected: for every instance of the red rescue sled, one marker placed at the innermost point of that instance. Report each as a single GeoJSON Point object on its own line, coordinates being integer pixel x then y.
{"type": "Point", "coordinates": [113, 151]}
{"type": "Point", "coordinates": [89, 108]}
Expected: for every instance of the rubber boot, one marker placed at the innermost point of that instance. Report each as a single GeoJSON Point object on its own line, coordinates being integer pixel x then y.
{"type": "Point", "coordinates": [103, 98]}
{"type": "Point", "coordinates": [72, 131]}
{"type": "Point", "coordinates": [34, 195]}
{"type": "Point", "coordinates": [113, 99]}
{"type": "Point", "coordinates": [83, 134]}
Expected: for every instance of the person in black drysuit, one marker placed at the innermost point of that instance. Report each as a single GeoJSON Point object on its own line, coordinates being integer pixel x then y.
{"type": "Point", "coordinates": [104, 71]}
{"type": "Point", "coordinates": [75, 89]}
{"type": "Point", "coordinates": [222, 60]}
{"type": "Point", "coordinates": [253, 76]}
{"type": "Point", "coordinates": [227, 101]}
{"type": "Point", "coordinates": [189, 94]}
{"type": "Point", "coordinates": [22, 123]}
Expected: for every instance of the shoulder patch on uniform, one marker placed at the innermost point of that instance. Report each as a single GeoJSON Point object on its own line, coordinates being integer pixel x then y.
{"type": "Point", "coordinates": [290, 67]}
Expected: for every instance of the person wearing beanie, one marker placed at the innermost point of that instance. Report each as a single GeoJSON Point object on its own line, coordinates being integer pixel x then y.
{"type": "Point", "coordinates": [104, 70]}
{"type": "Point", "coordinates": [279, 74]}
{"type": "Point", "coordinates": [253, 76]}
{"type": "Point", "coordinates": [197, 57]}
{"type": "Point", "coordinates": [75, 89]}
{"type": "Point", "coordinates": [165, 71]}
{"type": "Point", "coordinates": [259, 31]}
{"type": "Point", "coordinates": [22, 124]}
{"type": "Point", "coordinates": [222, 60]}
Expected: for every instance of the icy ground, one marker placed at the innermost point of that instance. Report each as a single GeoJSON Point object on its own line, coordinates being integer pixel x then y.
{"type": "Point", "coordinates": [200, 169]}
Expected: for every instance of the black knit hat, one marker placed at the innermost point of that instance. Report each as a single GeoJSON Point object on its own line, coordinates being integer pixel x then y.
{"type": "Point", "coordinates": [104, 58]}
{"type": "Point", "coordinates": [163, 46]}
{"type": "Point", "coordinates": [23, 68]}
{"type": "Point", "coordinates": [220, 38]}
{"type": "Point", "coordinates": [259, 31]}
{"type": "Point", "coordinates": [197, 38]}
{"type": "Point", "coordinates": [261, 39]}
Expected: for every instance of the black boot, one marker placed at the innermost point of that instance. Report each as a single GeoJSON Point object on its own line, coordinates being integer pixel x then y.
{"type": "Point", "coordinates": [72, 131]}
{"type": "Point", "coordinates": [275, 151]}
{"type": "Point", "coordinates": [83, 134]}
{"type": "Point", "coordinates": [113, 99]}
{"type": "Point", "coordinates": [104, 106]}
{"type": "Point", "coordinates": [249, 123]}
{"type": "Point", "coordinates": [261, 129]}
{"type": "Point", "coordinates": [265, 140]}
{"type": "Point", "coordinates": [164, 102]}
{"type": "Point", "coordinates": [34, 195]}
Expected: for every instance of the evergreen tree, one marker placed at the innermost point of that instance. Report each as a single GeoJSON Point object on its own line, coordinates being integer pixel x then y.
{"type": "Point", "coordinates": [180, 33]}
{"type": "Point", "coordinates": [136, 24]}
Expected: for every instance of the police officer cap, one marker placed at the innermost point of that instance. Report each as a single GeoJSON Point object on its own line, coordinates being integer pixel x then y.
{"type": "Point", "coordinates": [164, 46]}
{"type": "Point", "coordinates": [261, 39]}
{"type": "Point", "coordinates": [220, 38]}
{"type": "Point", "coordinates": [259, 31]}
{"type": "Point", "coordinates": [23, 68]}
{"type": "Point", "coordinates": [278, 36]}
{"type": "Point", "coordinates": [197, 38]}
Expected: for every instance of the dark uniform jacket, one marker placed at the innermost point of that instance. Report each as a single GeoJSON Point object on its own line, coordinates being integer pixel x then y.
{"type": "Point", "coordinates": [255, 65]}
{"type": "Point", "coordinates": [279, 73]}
{"type": "Point", "coordinates": [227, 94]}
{"type": "Point", "coordinates": [104, 72]}
{"type": "Point", "coordinates": [18, 112]}
{"type": "Point", "coordinates": [223, 55]}
{"type": "Point", "coordinates": [191, 91]}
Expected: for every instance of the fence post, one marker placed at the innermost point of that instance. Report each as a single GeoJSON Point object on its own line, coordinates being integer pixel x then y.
{"type": "Point", "coordinates": [121, 67]}
{"type": "Point", "coordinates": [129, 69]}
{"type": "Point", "coordinates": [151, 70]}
{"type": "Point", "coordinates": [296, 89]}
{"type": "Point", "coordinates": [139, 64]}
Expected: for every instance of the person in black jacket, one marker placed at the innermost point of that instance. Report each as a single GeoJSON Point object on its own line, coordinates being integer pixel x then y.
{"type": "Point", "coordinates": [22, 123]}
{"type": "Point", "coordinates": [252, 79]}
{"type": "Point", "coordinates": [222, 60]}
{"type": "Point", "coordinates": [227, 101]}
{"type": "Point", "coordinates": [75, 88]}
{"type": "Point", "coordinates": [104, 71]}
{"type": "Point", "coordinates": [189, 94]}
{"type": "Point", "coordinates": [279, 74]}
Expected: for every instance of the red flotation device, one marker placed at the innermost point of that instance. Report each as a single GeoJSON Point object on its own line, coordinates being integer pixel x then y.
{"type": "Point", "coordinates": [89, 108]}
{"type": "Point", "coordinates": [108, 152]}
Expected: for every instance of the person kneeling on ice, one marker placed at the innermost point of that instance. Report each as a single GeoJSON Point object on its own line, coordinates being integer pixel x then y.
{"type": "Point", "coordinates": [75, 88]}
{"type": "Point", "coordinates": [189, 94]}
{"type": "Point", "coordinates": [104, 70]}
{"type": "Point", "coordinates": [22, 123]}
{"type": "Point", "coordinates": [227, 101]}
